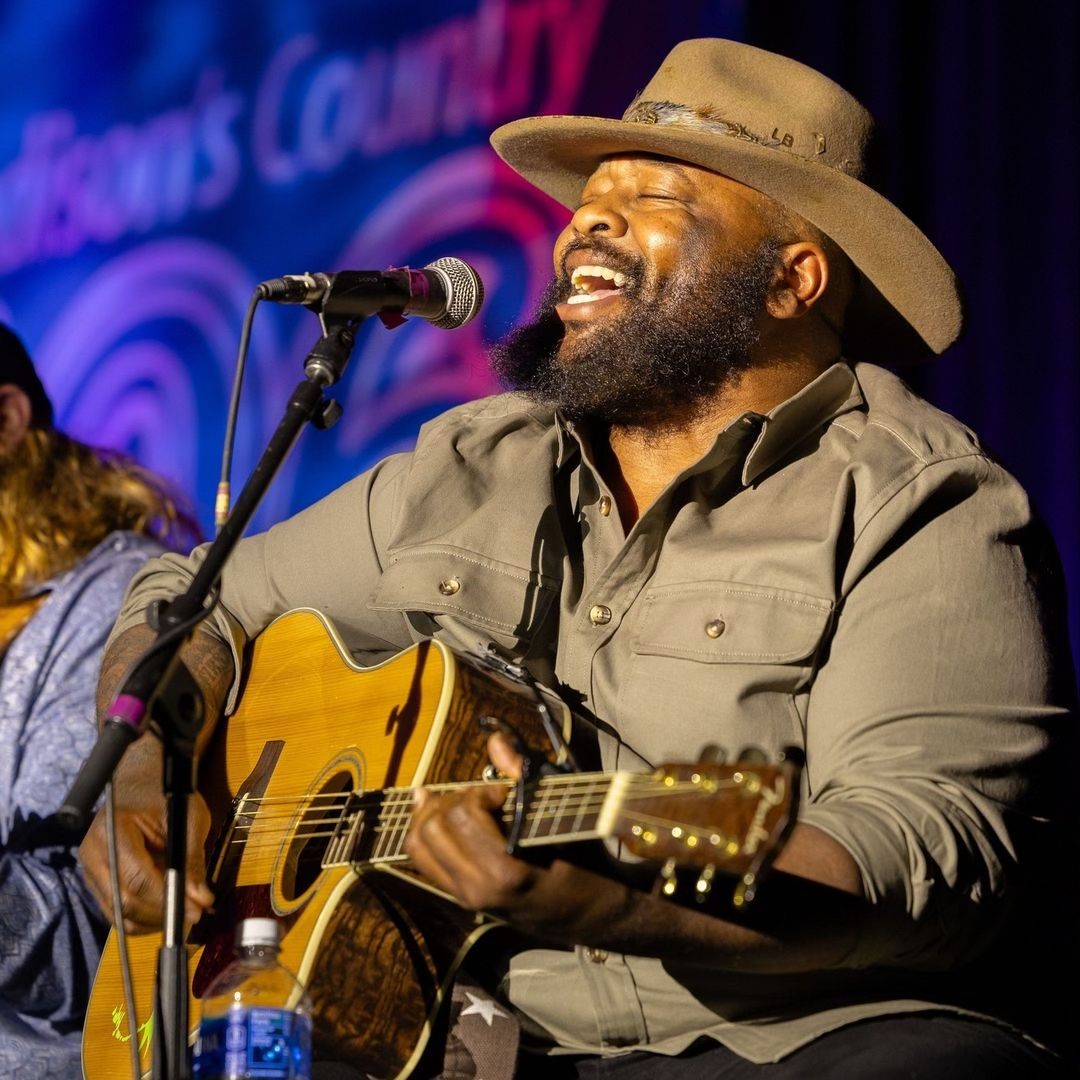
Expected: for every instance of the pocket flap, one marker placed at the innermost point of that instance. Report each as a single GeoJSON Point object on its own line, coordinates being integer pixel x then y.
{"type": "Point", "coordinates": [730, 622]}
{"type": "Point", "coordinates": [494, 595]}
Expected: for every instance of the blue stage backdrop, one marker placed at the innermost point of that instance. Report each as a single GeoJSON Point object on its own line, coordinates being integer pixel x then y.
{"type": "Point", "coordinates": [160, 158]}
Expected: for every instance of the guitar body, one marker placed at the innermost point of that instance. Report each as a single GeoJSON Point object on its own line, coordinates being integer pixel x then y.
{"type": "Point", "coordinates": [376, 948]}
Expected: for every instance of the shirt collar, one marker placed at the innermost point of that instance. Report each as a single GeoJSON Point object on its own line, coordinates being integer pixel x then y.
{"type": "Point", "coordinates": [834, 391]}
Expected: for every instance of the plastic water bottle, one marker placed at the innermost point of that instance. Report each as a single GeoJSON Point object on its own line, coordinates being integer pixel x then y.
{"type": "Point", "coordinates": [256, 1015]}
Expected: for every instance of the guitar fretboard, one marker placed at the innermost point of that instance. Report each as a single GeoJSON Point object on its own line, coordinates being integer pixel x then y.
{"type": "Point", "coordinates": [687, 815]}
{"type": "Point", "coordinates": [562, 808]}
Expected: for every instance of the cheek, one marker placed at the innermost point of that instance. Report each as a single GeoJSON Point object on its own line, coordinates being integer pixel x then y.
{"type": "Point", "coordinates": [560, 246]}
{"type": "Point", "coordinates": [667, 247]}
{"type": "Point", "coordinates": [685, 245]}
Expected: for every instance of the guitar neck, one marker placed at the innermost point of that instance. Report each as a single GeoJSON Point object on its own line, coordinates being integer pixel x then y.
{"type": "Point", "coordinates": [562, 809]}
{"type": "Point", "coordinates": [714, 816]}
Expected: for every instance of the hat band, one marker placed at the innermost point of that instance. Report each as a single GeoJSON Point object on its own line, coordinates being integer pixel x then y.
{"type": "Point", "coordinates": [709, 121]}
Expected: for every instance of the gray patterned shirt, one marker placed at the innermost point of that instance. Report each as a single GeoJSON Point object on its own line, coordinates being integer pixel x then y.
{"type": "Point", "coordinates": [51, 931]}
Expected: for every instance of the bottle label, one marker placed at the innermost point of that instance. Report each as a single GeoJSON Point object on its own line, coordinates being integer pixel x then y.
{"type": "Point", "coordinates": [254, 1043]}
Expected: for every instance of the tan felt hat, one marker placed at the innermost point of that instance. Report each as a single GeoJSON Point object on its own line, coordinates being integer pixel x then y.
{"type": "Point", "coordinates": [790, 132]}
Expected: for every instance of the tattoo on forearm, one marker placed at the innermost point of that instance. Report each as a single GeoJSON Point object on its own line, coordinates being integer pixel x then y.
{"type": "Point", "coordinates": [208, 659]}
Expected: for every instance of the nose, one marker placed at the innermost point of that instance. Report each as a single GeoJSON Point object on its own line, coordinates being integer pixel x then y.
{"type": "Point", "coordinates": [599, 215]}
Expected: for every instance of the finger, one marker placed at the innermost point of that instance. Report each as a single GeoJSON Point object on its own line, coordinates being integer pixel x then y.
{"type": "Point", "coordinates": [198, 896]}
{"type": "Point", "coordinates": [140, 869]}
{"type": "Point", "coordinates": [455, 843]}
{"type": "Point", "coordinates": [97, 872]}
{"type": "Point", "coordinates": [90, 863]}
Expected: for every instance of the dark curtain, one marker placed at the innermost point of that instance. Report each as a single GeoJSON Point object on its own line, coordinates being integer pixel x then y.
{"type": "Point", "coordinates": [979, 100]}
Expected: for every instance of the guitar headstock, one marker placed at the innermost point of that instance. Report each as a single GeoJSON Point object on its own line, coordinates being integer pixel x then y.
{"type": "Point", "coordinates": [730, 818]}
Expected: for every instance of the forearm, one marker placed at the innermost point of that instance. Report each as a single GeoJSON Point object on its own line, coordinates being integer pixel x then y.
{"type": "Point", "coordinates": [805, 917]}
{"type": "Point", "coordinates": [206, 657]}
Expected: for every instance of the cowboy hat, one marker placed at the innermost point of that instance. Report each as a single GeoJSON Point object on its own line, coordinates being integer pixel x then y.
{"type": "Point", "coordinates": [17, 369]}
{"type": "Point", "coordinates": [789, 132]}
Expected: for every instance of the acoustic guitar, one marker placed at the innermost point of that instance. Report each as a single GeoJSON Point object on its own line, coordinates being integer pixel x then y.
{"type": "Point", "coordinates": [310, 784]}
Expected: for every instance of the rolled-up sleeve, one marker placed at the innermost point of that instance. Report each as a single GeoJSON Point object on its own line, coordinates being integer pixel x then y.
{"type": "Point", "coordinates": [327, 557]}
{"type": "Point", "coordinates": [933, 718]}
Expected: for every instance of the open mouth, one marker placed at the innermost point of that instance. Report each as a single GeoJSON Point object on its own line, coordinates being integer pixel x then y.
{"type": "Point", "coordinates": [592, 283]}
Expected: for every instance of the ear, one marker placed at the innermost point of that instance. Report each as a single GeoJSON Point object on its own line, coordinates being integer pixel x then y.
{"type": "Point", "coordinates": [804, 277]}
{"type": "Point", "coordinates": [15, 415]}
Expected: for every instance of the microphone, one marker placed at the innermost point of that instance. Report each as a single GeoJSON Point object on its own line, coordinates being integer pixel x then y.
{"type": "Point", "coordinates": [447, 292]}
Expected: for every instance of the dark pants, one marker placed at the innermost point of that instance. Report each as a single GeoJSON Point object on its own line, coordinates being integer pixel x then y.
{"type": "Point", "coordinates": [933, 1047]}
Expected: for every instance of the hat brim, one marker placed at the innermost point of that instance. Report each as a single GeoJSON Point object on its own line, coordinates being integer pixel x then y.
{"type": "Point", "coordinates": [907, 305]}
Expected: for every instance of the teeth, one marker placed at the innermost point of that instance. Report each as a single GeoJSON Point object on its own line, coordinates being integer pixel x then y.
{"type": "Point", "coordinates": [579, 278]}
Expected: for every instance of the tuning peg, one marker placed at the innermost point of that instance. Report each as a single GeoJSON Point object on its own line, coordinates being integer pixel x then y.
{"type": "Point", "coordinates": [704, 884]}
{"type": "Point", "coordinates": [667, 876]}
{"type": "Point", "coordinates": [752, 755]}
{"type": "Point", "coordinates": [712, 754]}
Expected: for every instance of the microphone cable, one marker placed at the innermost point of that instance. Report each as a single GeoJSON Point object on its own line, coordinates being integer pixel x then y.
{"type": "Point", "coordinates": [224, 488]}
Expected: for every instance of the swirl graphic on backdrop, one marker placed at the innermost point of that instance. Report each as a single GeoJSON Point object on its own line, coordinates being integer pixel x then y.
{"type": "Point", "coordinates": [472, 207]}
{"type": "Point", "coordinates": [141, 357]}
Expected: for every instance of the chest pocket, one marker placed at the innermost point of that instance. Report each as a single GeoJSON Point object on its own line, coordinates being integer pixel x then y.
{"type": "Point", "coordinates": [467, 596]}
{"type": "Point", "coordinates": [723, 622]}
{"type": "Point", "coordinates": [720, 664]}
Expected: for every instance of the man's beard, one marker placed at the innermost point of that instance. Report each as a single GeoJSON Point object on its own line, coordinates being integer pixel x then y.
{"type": "Point", "coordinates": [657, 364]}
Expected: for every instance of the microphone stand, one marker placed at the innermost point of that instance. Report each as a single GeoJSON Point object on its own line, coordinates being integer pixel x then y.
{"type": "Point", "coordinates": [176, 701]}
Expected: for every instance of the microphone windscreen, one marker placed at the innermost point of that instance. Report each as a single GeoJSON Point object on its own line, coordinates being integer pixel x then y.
{"type": "Point", "coordinates": [464, 292]}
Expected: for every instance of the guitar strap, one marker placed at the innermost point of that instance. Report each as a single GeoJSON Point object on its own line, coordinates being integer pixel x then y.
{"type": "Point", "coordinates": [13, 617]}
{"type": "Point", "coordinates": [483, 1036]}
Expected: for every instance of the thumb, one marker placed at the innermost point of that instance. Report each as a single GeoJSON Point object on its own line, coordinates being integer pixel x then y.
{"type": "Point", "coordinates": [198, 895]}
{"type": "Point", "coordinates": [503, 756]}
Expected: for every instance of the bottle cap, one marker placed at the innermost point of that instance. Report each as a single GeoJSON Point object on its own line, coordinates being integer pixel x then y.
{"type": "Point", "coordinates": [252, 932]}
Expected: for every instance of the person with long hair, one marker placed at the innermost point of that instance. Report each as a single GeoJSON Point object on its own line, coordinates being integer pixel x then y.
{"type": "Point", "coordinates": [75, 524]}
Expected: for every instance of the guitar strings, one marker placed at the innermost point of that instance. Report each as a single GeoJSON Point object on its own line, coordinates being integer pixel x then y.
{"type": "Point", "coordinates": [556, 800]}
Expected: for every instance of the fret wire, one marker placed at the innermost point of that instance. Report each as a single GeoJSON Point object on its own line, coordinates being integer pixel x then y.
{"type": "Point", "coordinates": [535, 811]}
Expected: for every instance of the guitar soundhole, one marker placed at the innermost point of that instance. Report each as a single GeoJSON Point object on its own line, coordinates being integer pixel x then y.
{"type": "Point", "coordinates": [315, 829]}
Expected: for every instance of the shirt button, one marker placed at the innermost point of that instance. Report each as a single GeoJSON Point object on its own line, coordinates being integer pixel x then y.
{"type": "Point", "coordinates": [715, 627]}
{"type": "Point", "coordinates": [596, 956]}
{"type": "Point", "coordinates": [599, 615]}
{"type": "Point", "coordinates": [605, 505]}
{"type": "Point", "coordinates": [449, 586]}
